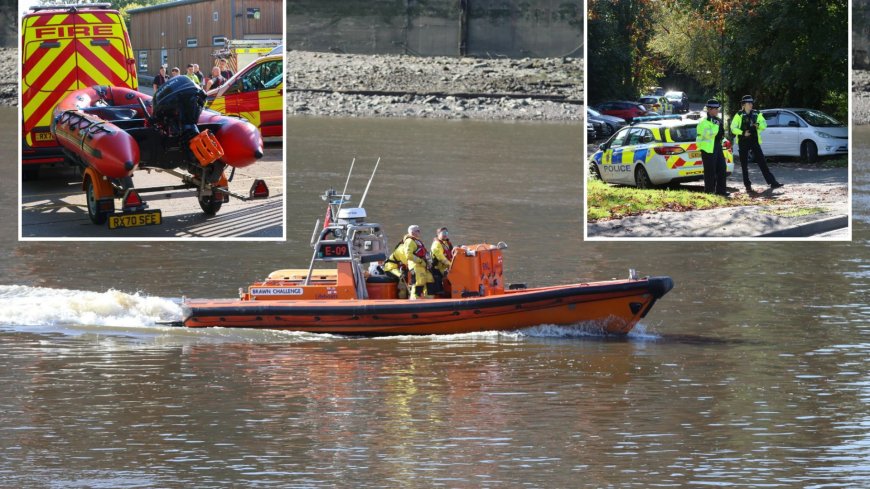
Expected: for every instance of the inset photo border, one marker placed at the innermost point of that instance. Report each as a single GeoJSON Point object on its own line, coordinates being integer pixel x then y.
{"type": "Point", "coordinates": [678, 95]}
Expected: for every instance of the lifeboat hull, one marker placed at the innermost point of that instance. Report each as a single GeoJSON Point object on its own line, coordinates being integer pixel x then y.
{"type": "Point", "coordinates": [614, 307]}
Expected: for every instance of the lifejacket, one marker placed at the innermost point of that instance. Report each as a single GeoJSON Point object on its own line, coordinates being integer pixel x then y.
{"type": "Point", "coordinates": [448, 248]}
{"type": "Point", "coordinates": [420, 252]}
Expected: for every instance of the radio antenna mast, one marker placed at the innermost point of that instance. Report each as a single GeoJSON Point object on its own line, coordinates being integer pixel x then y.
{"type": "Point", "coordinates": [370, 183]}
{"type": "Point", "coordinates": [341, 201]}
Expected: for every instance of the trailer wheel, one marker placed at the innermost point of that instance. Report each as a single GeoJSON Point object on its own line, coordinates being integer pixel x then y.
{"type": "Point", "coordinates": [211, 204]}
{"type": "Point", "coordinates": [97, 216]}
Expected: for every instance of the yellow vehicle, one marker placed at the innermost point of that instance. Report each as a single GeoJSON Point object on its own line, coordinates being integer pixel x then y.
{"type": "Point", "coordinates": [66, 48]}
{"type": "Point", "coordinates": [657, 104]}
{"type": "Point", "coordinates": [239, 53]}
{"type": "Point", "coordinates": [256, 93]}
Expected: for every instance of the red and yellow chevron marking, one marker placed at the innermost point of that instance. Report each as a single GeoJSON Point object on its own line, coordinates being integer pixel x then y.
{"type": "Point", "coordinates": [687, 158]}
{"type": "Point", "coordinates": [259, 107]}
{"type": "Point", "coordinates": [64, 52]}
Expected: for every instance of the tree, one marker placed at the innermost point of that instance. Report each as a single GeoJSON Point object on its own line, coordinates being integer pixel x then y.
{"type": "Point", "coordinates": [620, 65]}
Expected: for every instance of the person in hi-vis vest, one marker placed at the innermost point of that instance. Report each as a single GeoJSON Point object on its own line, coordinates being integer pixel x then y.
{"type": "Point", "coordinates": [709, 141]}
{"type": "Point", "coordinates": [747, 125]}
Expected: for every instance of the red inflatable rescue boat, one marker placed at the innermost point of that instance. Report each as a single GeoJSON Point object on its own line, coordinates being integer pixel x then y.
{"type": "Point", "coordinates": [113, 131]}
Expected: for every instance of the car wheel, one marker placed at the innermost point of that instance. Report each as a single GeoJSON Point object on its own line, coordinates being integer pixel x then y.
{"type": "Point", "coordinates": [610, 129]}
{"type": "Point", "coordinates": [809, 152]}
{"type": "Point", "coordinates": [641, 178]}
{"type": "Point", "coordinates": [594, 172]}
{"type": "Point", "coordinates": [97, 216]}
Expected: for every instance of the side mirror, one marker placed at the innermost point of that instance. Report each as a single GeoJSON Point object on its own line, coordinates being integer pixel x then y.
{"type": "Point", "coordinates": [793, 124]}
{"type": "Point", "coordinates": [602, 146]}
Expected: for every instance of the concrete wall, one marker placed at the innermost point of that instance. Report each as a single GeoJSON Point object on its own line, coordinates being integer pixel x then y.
{"type": "Point", "coordinates": [861, 34]}
{"type": "Point", "coordinates": [513, 28]}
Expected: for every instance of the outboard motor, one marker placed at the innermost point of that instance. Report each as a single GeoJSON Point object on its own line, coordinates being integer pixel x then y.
{"type": "Point", "coordinates": [177, 106]}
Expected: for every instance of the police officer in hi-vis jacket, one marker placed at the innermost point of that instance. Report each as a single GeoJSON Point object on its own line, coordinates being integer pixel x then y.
{"type": "Point", "coordinates": [747, 125]}
{"type": "Point", "coordinates": [709, 141]}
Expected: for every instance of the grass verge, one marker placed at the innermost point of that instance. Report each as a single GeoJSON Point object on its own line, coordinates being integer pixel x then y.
{"type": "Point", "coordinates": [799, 212]}
{"type": "Point", "coordinates": [604, 201]}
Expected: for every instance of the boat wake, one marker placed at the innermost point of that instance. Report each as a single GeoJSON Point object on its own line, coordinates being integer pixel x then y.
{"type": "Point", "coordinates": [583, 330]}
{"type": "Point", "coordinates": [22, 305]}
{"type": "Point", "coordinates": [591, 330]}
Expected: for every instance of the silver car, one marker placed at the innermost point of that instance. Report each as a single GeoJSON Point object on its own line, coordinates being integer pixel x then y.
{"type": "Point", "coordinates": [804, 133]}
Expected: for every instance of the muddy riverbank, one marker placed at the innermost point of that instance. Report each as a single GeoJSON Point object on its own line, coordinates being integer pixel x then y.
{"type": "Point", "coordinates": [861, 97]}
{"type": "Point", "coordinates": [328, 84]}
{"type": "Point", "coordinates": [9, 76]}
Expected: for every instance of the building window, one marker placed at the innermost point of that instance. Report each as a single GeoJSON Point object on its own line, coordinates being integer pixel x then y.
{"type": "Point", "coordinates": [143, 60]}
{"type": "Point", "coordinates": [189, 19]}
{"type": "Point", "coordinates": [254, 13]}
{"type": "Point", "coordinates": [191, 42]}
{"type": "Point", "coordinates": [214, 16]}
{"type": "Point", "coordinates": [219, 41]}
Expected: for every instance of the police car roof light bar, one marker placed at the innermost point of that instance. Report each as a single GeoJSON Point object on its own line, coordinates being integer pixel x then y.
{"type": "Point", "coordinates": [648, 118]}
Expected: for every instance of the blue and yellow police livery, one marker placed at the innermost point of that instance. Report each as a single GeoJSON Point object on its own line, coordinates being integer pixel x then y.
{"type": "Point", "coordinates": [652, 153]}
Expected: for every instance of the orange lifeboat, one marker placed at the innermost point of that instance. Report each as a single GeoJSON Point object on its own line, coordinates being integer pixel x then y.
{"type": "Point", "coordinates": [354, 298]}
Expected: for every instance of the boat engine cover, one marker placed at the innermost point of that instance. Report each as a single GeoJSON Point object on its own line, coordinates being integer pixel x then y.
{"type": "Point", "coordinates": [178, 104]}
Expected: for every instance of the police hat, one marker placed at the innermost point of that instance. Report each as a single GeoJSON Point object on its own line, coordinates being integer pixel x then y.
{"type": "Point", "coordinates": [713, 104]}
{"type": "Point", "coordinates": [747, 99]}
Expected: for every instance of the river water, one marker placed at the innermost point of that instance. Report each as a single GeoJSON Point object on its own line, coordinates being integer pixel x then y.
{"type": "Point", "coordinates": [752, 372]}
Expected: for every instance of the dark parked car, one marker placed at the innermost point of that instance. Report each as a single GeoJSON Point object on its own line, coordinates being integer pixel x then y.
{"type": "Point", "coordinates": [590, 131]}
{"type": "Point", "coordinates": [609, 123]}
{"type": "Point", "coordinates": [622, 109]}
{"type": "Point", "coordinates": [679, 100]}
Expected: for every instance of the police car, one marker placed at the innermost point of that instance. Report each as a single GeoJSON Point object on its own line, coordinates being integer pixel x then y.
{"type": "Point", "coordinates": [653, 151]}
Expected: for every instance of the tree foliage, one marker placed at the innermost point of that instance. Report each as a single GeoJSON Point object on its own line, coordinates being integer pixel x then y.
{"type": "Point", "coordinates": [619, 62]}
{"type": "Point", "coordinates": [792, 53]}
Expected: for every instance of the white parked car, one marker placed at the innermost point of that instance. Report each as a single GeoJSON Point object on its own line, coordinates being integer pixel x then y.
{"type": "Point", "coordinates": [804, 133]}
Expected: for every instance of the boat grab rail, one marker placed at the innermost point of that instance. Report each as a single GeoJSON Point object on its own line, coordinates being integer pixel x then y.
{"type": "Point", "coordinates": [472, 250]}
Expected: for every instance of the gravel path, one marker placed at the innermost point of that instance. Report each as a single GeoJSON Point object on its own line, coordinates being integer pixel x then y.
{"type": "Point", "coordinates": [327, 84]}
{"type": "Point", "coordinates": [9, 76]}
{"type": "Point", "coordinates": [861, 97]}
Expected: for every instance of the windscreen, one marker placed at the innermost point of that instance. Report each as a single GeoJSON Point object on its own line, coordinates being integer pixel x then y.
{"type": "Point", "coordinates": [818, 119]}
